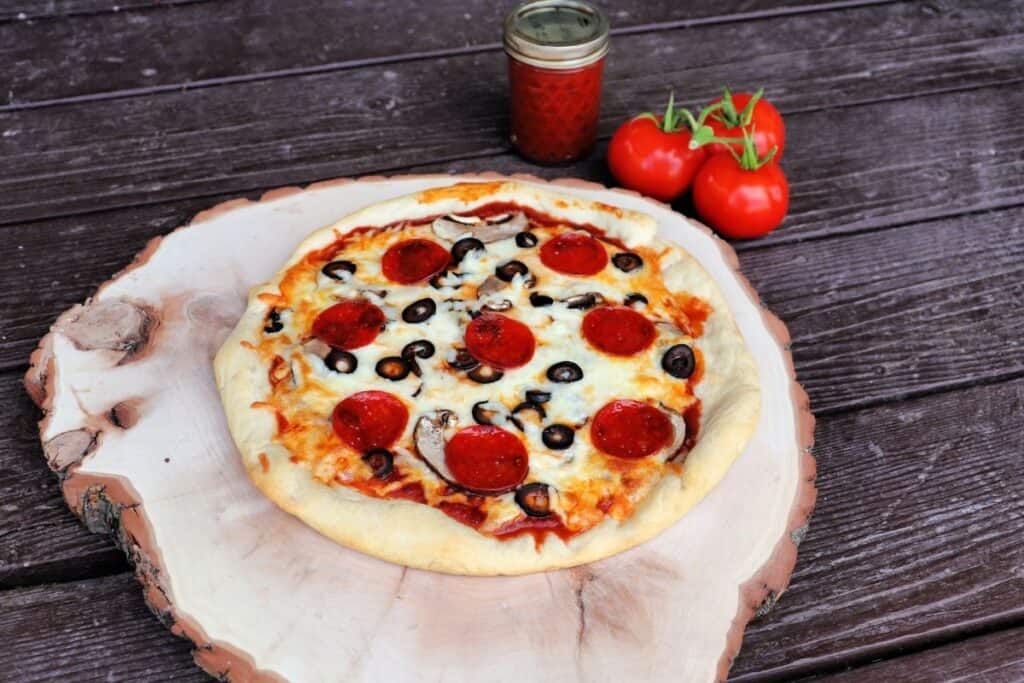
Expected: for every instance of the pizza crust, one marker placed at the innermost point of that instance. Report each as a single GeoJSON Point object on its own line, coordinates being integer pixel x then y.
{"type": "Point", "coordinates": [421, 536]}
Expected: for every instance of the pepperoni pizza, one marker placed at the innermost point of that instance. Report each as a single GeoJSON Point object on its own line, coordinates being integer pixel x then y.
{"type": "Point", "coordinates": [488, 378]}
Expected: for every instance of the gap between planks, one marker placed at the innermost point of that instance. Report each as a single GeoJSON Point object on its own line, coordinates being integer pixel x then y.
{"type": "Point", "coordinates": [414, 55]}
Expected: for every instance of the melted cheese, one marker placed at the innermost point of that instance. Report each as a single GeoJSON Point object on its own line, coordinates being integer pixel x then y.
{"type": "Point", "coordinates": [586, 484]}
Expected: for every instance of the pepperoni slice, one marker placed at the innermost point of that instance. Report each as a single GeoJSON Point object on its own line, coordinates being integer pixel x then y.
{"type": "Point", "coordinates": [414, 260]}
{"type": "Point", "coordinates": [630, 429]}
{"type": "Point", "coordinates": [349, 324]}
{"type": "Point", "coordinates": [499, 341]}
{"type": "Point", "coordinates": [574, 253]}
{"type": "Point", "coordinates": [369, 420]}
{"type": "Point", "coordinates": [487, 459]}
{"type": "Point", "coordinates": [618, 330]}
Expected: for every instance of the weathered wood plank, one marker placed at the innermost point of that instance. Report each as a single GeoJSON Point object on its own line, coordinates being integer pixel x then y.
{"type": "Point", "coordinates": [916, 534]}
{"type": "Point", "coordinates": [22, 10]}
{"type": "Point", "coordinates": [867, 327]}
{"type": "Point", "coordinates": [901, 562]}
{"type": "Point", "coordinates": [97, 630]}
{"type": "Point", "coordinates": [40, 540]}
{"type": "Point", "coordinates": [213, 42]}
{"type": "Point", "coordinates": [874, 316]}
{"type": "Point", "coordinates": [993, 658]}
{"type": "Point", "coordinates": [66, 159]}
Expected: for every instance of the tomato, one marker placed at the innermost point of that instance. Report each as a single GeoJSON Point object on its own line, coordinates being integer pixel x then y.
{"type": "Point", "coordinates": [765, 123]}
{"type": "Point", "coordinates": [653, 158]}
{"type": "Point", "coordinates": [737, 202]}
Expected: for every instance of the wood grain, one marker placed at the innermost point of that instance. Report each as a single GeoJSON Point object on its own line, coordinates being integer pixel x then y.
{"type": "Point", "coordinates": [874, 317]}
{"type": "Point", "coordinates": [993, 658]}
{"type": "Point", "coordinates": [72, 158]}
{"type": "Point", "coordinates": [97, 630]}
{"type": "Point", "coordinates": [916, 533]}
{"type": "Point", "coordinates": [24, 10]}
{"type": "Point", "coordinates": [131, 52]}
{"type": "Point", "coordinates": [40, 539]}
{"type": "Point", "coordinates": [928, 547]}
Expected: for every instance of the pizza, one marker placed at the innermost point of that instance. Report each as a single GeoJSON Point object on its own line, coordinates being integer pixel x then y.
{"type": "Point", "coordinates": [488, 378]}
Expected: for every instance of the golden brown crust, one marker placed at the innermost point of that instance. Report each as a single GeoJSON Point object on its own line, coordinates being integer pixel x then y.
{"type": "Point", "coordinates": [420, 536]}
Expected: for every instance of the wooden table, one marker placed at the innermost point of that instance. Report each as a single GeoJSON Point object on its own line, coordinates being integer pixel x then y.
{"type": "Point", "coordinates": [900, 269]}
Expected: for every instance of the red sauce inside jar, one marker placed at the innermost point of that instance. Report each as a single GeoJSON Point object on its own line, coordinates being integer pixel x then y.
{"type": "Point", "coordinates": [554, 111]}
{"type": "Point", "coordinates": [556, 51]}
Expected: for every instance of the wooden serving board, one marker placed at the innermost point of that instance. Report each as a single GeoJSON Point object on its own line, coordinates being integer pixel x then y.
{"type": "Point", "coordinates": [134, 427]}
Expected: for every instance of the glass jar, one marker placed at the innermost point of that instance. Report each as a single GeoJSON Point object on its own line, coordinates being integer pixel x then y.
{"type": "Point", "coordinates": [556, 51]}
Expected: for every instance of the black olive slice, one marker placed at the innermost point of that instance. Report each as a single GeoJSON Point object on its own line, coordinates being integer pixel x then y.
{"type": "Point", "coordinates": [538, 396]}
{"type": "Point", "coordinates": [540, 300]}
{"type": "Point", "coordinates": [484, 415]}
{"type": "Point", "coordinates": [558, 437]}
{"type": "Point", "coordinates": [463, 360]}
{"type": "Point", "coordinates": [381, 462]}
{"type": "Point", "coordinates": [584, 301]}
{"type": "Point", "coordinates": [526, 240]}
{"type": "Point", "coordinates": [526, 406]}
{"type": "Point", "coordinates": [419, 311]}
{"type": "Point", "coordinates": [273, 323]}
{"type": "Point", "coordinates": [341, 361]}
{"type": "Point", "coordinates": [485, 374]}
{"type": "Point", "coordinates": [421, 348]}
{"type": "Point", "coordinates": [440, 280]}
{"type": "Point", "coordinates": [507, 271]}
{"type": "Point", "coordinates": [679, 361]}
{"type": "Point", "coordinates": [564, 372]}
{"type": "Point", "coordinates": [464, 246]}
{"type": "Point", "coordinates": [634, 298]}
{"type": "Point", "coordinates": [627, 261]}
{"type": "Point", "coordinates": [334, 269]}
{"type": "Point", "coordinates": [534, 499]}
{"type": "Point", "coordinates": [393, 368]}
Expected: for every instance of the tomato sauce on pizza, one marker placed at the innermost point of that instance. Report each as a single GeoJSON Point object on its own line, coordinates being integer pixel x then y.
{"type": "Point", "coordinates": [520, 373]}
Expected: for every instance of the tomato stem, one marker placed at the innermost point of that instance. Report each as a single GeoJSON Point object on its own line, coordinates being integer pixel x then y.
{"type": "Point", "coordinates": [731, 118]}
{"type": "Point", "coordinates": [748, 158]}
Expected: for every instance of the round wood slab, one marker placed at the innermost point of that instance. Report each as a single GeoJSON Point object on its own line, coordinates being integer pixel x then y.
{"type": "Point", "coordinates": [133, 425]}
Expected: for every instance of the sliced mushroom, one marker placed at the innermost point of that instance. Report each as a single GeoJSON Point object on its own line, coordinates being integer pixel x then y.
{"type": "Point", "coordinates": [489, 286]}
{"type": "Point", "coordinates": [678, 434]}
{"type": "Point", "coordinates": [430, 438]}
{"type": "Point", "coordinates": [584, 301]}
{"type": "Point", "coordinates": [511, 223]}
{"type": "Point", "coordinates": [497, 306]}
{"type": "Point", "coordinates": [452, 226]}
{"type": "Point", "coordinates": [315, 347]}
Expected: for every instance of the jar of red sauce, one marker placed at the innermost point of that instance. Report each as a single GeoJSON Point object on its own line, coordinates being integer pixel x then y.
{"type": "Point", "coordinates": [556, 51]}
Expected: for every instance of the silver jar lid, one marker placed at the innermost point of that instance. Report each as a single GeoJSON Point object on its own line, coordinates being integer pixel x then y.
{"type": "Point", "coordinates": [556, 34]}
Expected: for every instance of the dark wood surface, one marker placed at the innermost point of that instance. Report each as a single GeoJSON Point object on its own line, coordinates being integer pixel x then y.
{"type": "Point", "coordinates": [900, 270]}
